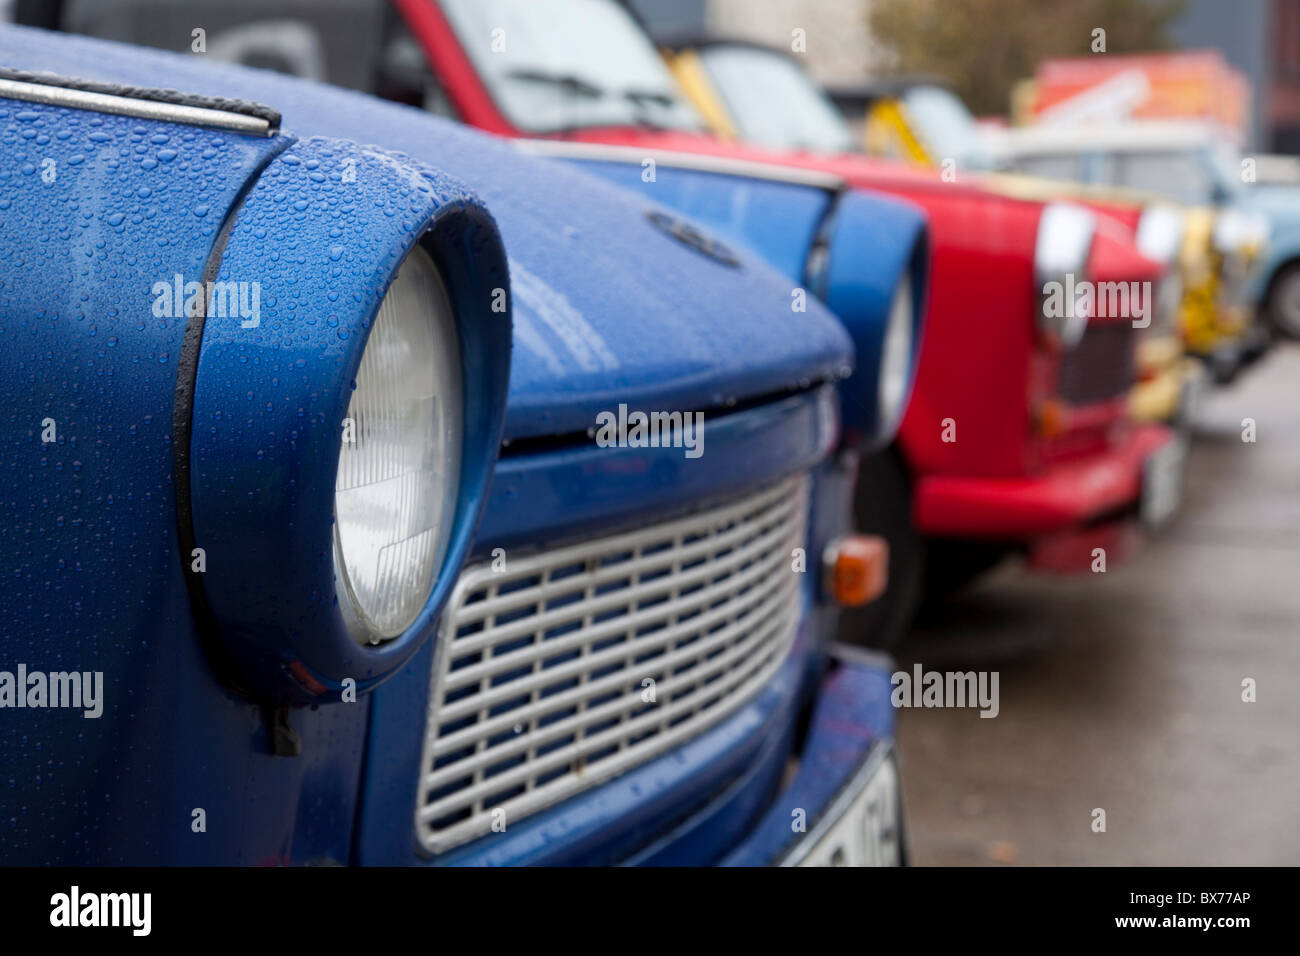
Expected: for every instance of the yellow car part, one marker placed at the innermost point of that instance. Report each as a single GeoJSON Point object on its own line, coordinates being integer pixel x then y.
{"type": "Point", "coordinates": [690, 74]}
{"type": "Point", "coordinates": [887, 133]}
{"type": "Point", "coordinates": [1162, 373]}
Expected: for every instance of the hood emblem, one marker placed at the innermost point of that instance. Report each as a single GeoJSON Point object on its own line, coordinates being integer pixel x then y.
{"type": "Point", "coordinates": [690, 236]}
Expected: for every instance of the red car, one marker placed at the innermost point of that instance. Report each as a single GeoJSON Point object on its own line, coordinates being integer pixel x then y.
{"type": "Point", "coordinates": [1016, 437]}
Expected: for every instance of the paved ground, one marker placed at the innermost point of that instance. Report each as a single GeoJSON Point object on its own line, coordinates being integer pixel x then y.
{"type": "Point", "coordinates": [1123, 690]}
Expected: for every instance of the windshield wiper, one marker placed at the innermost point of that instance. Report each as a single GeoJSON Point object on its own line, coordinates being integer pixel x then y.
{"type": "Point", "coordinates": [572, 83]}
{"type": "Point", "coordinates": [583, 87]}
{"type": "Point", "coordinates": [640, 99]}
{"type": "Point", "coordinates": [648, 96]}
{"type": "Point", "coordinates": [569, 81]}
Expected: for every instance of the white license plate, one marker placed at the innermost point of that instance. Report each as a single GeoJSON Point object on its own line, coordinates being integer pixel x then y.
{"type": "Point", "coordinates": [863, 826]}
{"type": "Point", "coordinates": [1162, 482]}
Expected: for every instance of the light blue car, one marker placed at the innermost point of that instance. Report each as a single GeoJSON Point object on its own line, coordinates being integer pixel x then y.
{"type": "Point", "coordinates": [1192, 164]}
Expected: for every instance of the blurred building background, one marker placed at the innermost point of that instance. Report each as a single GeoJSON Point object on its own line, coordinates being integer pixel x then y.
{"type": "Point", "coordinates": [841, 49]}
{"type": "Point", "coordinates": [1260, 38]}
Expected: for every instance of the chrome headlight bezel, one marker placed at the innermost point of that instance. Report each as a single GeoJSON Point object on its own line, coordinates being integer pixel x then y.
{"type": "Point", "coordinates": [1160, 232]}
{"type": "Point", "coordinates": [1061, 250]}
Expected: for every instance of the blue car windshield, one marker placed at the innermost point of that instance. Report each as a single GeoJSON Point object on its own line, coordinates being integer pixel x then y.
{"type": "Point", "coordinates": [554, 65]}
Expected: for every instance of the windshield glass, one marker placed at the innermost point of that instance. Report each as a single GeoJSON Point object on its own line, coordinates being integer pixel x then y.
{"type": "Point", "coordinates": [1191, 176]}
{"type": "Point", "coordinates": [945, 126]}
{"type": "Point", "coordinates": [1225, 166]}
{"type": "Point", "coordinates": [553, 65]}
{"type": "Point", "coordinates": [1065, 167]}
{"type": "Point", "coordinates": [773, 102]}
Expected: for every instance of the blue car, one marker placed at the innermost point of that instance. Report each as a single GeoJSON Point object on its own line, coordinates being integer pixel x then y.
{"type": "Point", "coordinates": [380, 495]}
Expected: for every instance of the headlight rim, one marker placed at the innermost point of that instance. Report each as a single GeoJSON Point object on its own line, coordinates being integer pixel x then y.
{"type": "Point", "coordinates": [1161, 231]}
{"type": "Point", "coordinates": [480, 441]}
{"type": "Point", "coordinates": [890, 409]}
{"type": "Point", "coordinates": [357, 619]}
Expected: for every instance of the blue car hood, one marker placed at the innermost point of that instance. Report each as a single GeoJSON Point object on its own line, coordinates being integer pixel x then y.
{"type": "Point", "coordinates": [609, 307]}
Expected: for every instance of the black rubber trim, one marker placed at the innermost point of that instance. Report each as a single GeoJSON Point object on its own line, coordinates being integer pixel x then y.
{"type": "Point", "coordinates": [821, 244]}
{"type": "Point", "coordinates": [171, 97]}
{"type": "Point", "coordinates": [215, 649]}
{"type": "Point", "coordinates": [541, 444]}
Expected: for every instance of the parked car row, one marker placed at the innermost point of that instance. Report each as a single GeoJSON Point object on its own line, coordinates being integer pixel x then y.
{"type": "Point", "coordinates": [1235, 241]}
{"type": "Point", "coordinates": [540, 493]}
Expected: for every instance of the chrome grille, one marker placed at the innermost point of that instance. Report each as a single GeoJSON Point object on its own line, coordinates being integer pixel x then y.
{"type": "Point", "coordinates": [542, 679]}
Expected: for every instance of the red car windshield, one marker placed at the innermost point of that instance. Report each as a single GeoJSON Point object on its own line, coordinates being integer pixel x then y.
{"type": "Point", "coordinates": [554, 65]}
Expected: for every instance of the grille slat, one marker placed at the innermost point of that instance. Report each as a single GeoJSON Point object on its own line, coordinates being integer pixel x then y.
{"type": "Point", "coordinates": [498, 605]}
{"type": "Point", "coordinates": [537, 686]}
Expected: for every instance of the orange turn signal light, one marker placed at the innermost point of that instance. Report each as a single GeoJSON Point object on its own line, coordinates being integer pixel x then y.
{"type": "Point", "coordinates": [1051, 419]}
{"type": "Point", "coordinates": [856, 568]}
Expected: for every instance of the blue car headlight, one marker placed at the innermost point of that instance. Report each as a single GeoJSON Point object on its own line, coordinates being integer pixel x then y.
{"type": "Point", "coordinates": [896, 357]}
{"type": "Point", "coordinates": [341, 442]}
{"type": "Point", "coordinates": [872, 269]}
{"type": "Point", "coordinates": [395, 494]}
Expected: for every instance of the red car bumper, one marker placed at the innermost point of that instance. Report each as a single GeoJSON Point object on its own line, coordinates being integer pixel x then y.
{"type": "Point", "coordinates": [1058, 501]}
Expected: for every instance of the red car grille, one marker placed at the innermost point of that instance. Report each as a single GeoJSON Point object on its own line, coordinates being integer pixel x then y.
{"type": "Point", "coordinates": [1101, 367]}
